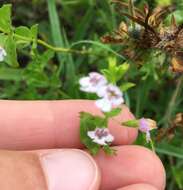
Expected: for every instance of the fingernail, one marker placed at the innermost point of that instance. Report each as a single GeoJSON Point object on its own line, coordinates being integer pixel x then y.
{"type": "Point", "coordinates": [70, 170]}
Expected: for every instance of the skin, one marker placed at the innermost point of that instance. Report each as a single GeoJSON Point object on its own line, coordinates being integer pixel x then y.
{"type": "Point", "coordinates": [34, 131]}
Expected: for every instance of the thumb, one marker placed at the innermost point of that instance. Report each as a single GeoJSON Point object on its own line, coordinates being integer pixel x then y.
{"type": "Point", "coordinates": [65, 169]}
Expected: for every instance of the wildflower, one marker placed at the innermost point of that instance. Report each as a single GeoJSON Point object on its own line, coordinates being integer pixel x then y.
{"type": "Point", "coordinates": [145, 126]}
{"type": "Point", "coordinates": [111, 96]}
{"type": "Point", "coordinates": [92, 82]}
{"type": "Point", "coordinates": [101, 136]}
{"type": "Point", "coordinates": [3, 54]}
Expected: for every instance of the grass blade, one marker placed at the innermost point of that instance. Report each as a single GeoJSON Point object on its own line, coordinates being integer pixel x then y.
{"type": "Point", "coordinates": [170, 150]}
{"type": "Point", "coordinates": [57, 36]}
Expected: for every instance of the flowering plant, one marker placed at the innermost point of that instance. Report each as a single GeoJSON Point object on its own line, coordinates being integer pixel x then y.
{"type": "Point", "coordinates": [94, 132]}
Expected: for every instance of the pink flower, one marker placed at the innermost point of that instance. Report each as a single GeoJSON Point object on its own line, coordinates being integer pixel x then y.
{"type": "Point", "coordinates": [145, 126]}
{"type": "Point", "coordinates": [111, 96]}
{"type": "Point", "coordinates": [101, 136]}
{"type": "Point", "coordinates": [92, 83]}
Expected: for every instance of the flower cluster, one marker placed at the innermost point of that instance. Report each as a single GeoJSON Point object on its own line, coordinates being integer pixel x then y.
{"type": "Point", "coordinates": [110, 95]}
{"type": "Point", "coordinates": [94, 128]}
{"type": "Point", "coordinates": [3, 54]}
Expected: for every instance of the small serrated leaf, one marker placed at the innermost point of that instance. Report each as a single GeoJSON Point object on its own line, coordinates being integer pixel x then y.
{"type": "Point", "coordinates": [5, 21]}
{"type": "Point", "coordinates": [131, 123]}
{"type": "Point", "coordinates": [109, 151]}
{"type": "Point", "coordinates": [23, 31]}
{"type": "Point", "coordinates": [10, 46]}
{"type": "Point", "coordinates": [127, 85]}
{"type": "Point", "coordinates": [113, 113]}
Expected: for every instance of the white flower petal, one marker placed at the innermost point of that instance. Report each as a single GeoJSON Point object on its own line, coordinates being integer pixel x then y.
{"type": "Point", "coordinates": [115, 89]}
{"type": "Point", "coordinates": [92, 82]}
{"type": "Point", "coordinates": [3, 54]}
{"type": "Point", "coordinates": [109, 138]}
{"type": "Point", "coordinates": [101, 78]}
{"type": "Point", "coordinates": [104, 105]}
{"type": "Point", "coordinates": [84, 81]}
{"type": "Point", "coordinates": [117, 101]}
{"type": "Point", "coordinates": [101, 92]}
{"type": "Point", "coordinates": [91, 134]}
{"type": "Point", "coordinates": [148, 137]}
{"type": "Point", "coordinates": [101, 136]}
{"type": "Point", "coordinates": [100, 141]}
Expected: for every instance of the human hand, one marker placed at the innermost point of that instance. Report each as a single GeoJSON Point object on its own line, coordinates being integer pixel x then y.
{"type": "Point", "coordinates": [50, 126]}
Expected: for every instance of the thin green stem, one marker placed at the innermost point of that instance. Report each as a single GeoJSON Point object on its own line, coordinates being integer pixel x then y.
{"type": "Point", "coordinates": [57, 49]}
{"type": "Point", "coordinates": [49, 46]}
{"type": "Point", "coordinates": [60, 49]}
{"type": "Point", "coordinates": [171, 105]}
{"type": "Point", "coordinates": [152, 145]}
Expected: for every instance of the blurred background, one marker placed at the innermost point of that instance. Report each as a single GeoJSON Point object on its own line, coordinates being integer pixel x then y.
{"type": "Point", "coordinates": [79, 24]}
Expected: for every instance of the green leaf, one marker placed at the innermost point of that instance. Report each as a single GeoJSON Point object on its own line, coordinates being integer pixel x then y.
{"type": "Point", "coordinates": [87, 124]}
{"type": "Point", "coordinates": [36, 79]}
{"type": "Point", "coordinates": [127, 85]}
{"type": "Point", "coordinates": [11, 58]}
{"type": "Point", "coordinates": [56, 32]}
{"type": "Point", "coordinates": [11, 74]}
{"type": "Point", "coordinates": [109, 151]}
{"type": "Point", "coordinates": [46, 57]}
{"type": "Point", "coordinates": [34, 31]}
{"type": "Point", "coordinates": [3, 39]}
{"type": "Point", "coordinates": [5, 18]}
{"type": "Point", "coordinates": [34, 35]}
{"type": "Point", "coordinates": [23, 31]}
{"type": "Point", "coordinates": [35, 74]}
{"type": "Point", "coordinates": [94, 120]}
{"type": "Point", "coordinates": [113, 113]}
{"type": "Point", "coordinates": [122, 69]}
{"type": "Point", "coordinates": [112, 63]}
{"type": "Point", "coordinates": [178, 175]}
{"type": "Point", "coordinates": [114, 73]}
{"type": "Point", "coordinates": [22, 36]}
{"type": "Point", "coordinates": [131, 123]}
{"type": "Point", "coordinates": [170, 150]}
{"type": "Point", "coordinates": [25, 36]}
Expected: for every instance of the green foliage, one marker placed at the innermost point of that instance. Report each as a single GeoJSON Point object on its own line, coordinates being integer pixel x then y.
{"type": "Point", "coordinates": [33, 70]}
{"type": "Point", "coordinates": [5, 21]}
{"type": "Point", "coordinates": [89, 122]}
{"type": "Point", "coordinates": [10, 46]}
{"type": "Point", "coordinates": [113, 112]}
{"type": "Point", "coordinates": [131, 123]}
{"type": "Point", "coordinates": [114, 73]}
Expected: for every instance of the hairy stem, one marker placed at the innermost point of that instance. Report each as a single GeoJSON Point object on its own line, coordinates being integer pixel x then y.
{"type": "Point", "coordinates": [171, 105]}
{"type": "Point", "coordinates": [49, 46]}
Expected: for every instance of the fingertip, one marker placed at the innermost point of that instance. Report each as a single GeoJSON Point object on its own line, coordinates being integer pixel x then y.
{"type": "Point", "coordinates": [138, 187]}
{"type": "Point", "coordinates": [132, 164]}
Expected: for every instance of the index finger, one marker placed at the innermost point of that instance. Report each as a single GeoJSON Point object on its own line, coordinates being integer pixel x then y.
{"type": "Point", "coordinates": [28, 125]}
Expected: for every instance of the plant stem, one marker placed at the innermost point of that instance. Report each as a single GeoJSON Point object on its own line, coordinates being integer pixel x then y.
{"type": "Point", "coordinates": [168, 114]}
{"type": "Point", "coordinates": [60, 49]}
{"type": "Point", "coordinates": [152, 145]}
{"type": "Point", "coordinates": [56, 49]}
